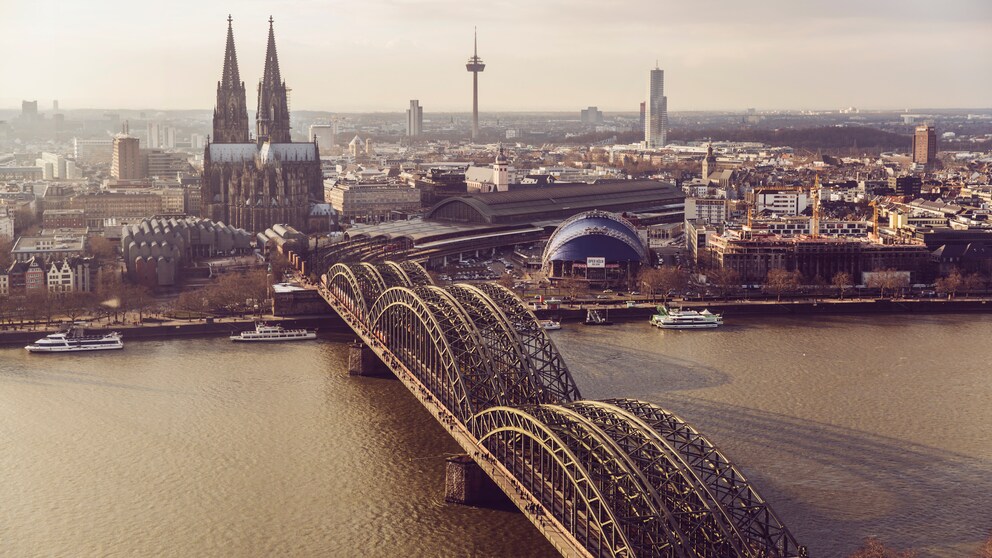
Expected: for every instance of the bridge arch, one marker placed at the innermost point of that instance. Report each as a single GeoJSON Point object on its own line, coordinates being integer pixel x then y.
{"type": "Point", "coordinates": [482, 385]}
{"type": "Point", "coordinates": [543, 357]}
{"type": "Point", "coordinates": [345, 286]}
{"type": "Point", "coordinates": [523, 382]}
{"type": "Point", "coordinates": [740, 505]}
{"type": "Point", "coordinates": [406, 324]}
{"type": "Point", "coordinates": [546, 466]}
{"type": "Point", "coordinates": [651, 529]}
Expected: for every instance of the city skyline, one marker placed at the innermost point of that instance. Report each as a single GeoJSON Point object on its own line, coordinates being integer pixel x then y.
{"type": "Point", "coordinates": [375, 56]}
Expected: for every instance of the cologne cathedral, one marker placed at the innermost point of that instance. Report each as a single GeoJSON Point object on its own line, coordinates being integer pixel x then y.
{"type": "Point", "coordinates": [254, 184]}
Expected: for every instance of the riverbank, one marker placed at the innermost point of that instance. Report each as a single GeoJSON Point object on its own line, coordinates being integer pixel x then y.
{"type": "Point", "coordinates": [784, 308]}
{"type": "Point", "coordinates": [209, 327]}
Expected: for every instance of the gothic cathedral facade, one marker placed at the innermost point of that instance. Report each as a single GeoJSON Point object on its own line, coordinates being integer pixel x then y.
{"type": "Point", "coordinates": [256, 184]}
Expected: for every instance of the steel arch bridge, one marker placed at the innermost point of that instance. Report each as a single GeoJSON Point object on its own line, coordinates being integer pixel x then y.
{"type": "Point", "coordinates": [612, 478]}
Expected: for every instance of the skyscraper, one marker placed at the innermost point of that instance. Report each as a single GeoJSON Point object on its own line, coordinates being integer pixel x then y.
{"type": "Point", "coordinates": [126, 162]}
{"type": "Point", "coordinates": [414, 119]}
{"type": "Point", "coordinates": [475, 65]}
{"type": "Point", "coordinates": [925, 145]}
{"type": "Point", "coordinates": [656, 111]}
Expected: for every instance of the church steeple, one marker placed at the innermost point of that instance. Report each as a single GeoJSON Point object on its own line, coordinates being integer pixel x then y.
{"type": "Point", "coordinates": [231, 111]}
{"type": "Point", "coordinates": [273, 105]}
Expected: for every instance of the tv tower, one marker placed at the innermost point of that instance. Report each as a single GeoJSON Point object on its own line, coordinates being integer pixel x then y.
{"type": "Point", "coordinates": [475, 65]}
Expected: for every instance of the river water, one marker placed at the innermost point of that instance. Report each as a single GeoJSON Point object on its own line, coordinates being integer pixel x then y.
{"type": "Point", "coordinates": [850, 427]}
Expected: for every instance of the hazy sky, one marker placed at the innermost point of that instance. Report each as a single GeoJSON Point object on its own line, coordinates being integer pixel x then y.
{"type": "Point", "coordinates": [375, 55]}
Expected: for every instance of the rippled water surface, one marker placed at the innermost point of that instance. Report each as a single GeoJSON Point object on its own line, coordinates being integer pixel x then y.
{"type": "Point", "coordinates": [850, 427]}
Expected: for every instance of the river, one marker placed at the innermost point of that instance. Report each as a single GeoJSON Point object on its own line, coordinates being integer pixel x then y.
{"type": "Point", "coordinates": [848, 426]}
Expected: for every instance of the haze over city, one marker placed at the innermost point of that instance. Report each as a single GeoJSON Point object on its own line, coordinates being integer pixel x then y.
{"type": "Point", "coordinates": [549, 55]}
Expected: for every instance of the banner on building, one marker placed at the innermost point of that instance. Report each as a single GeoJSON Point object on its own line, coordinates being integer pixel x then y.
{"type": "Point", "coordinates": [596, 262]}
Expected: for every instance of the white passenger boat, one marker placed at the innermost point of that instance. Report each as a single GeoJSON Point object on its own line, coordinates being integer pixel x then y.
{"type": "Point", "coordinates": [550, 324]}
{"type": "Point", "coordinates": [75, 341]}
{"type": "Point", "coordinates": [685, 319]}
{"type": "Point", "coordinates": [265, 332]}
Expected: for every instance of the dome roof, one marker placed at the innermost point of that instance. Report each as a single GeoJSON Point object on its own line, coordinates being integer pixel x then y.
{"type": "Point", "coordinates": [595, 234]}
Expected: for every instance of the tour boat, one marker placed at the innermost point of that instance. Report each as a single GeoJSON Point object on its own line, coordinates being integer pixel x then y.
{"type": "Point", "coordinates": [550, 324]}
{"type": "Point", "coordinates": [685, 319]}
{"type": "Point", "coordinates": [597, 318]}
{"type": "Point", "coordinates": [75, 341]}
{"type": "Point", "coordinates": [265, 332]}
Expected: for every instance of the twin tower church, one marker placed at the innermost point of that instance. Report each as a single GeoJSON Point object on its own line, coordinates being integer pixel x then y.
{"type": "Point", "coordinates": [254, 183]}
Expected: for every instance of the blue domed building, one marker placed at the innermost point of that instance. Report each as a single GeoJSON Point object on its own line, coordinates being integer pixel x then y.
{"type": "Point", "coordinates": [599, 247]}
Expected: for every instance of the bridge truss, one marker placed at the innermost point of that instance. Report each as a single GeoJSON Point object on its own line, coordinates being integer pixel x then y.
{"type": "Point", "coordinates": [619, 477]}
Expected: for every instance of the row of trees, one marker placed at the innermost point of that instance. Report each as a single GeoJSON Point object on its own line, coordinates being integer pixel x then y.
{"type": "Point", "coordinates": [114, 299]}
{"type": "Point", "coordinates": [231, 292]}
{"type": "Point", "coordinates": [668, 281]}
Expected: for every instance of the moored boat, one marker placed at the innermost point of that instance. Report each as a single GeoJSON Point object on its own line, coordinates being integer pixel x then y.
{"type": "Point", "coordinates": [266, 332]}
{"type": "Point", "coordinates": [74, 340]}
{"type": "Point", "coordinates": [685, 319]}
{"type": "Point", "coordinates": [550, 324]}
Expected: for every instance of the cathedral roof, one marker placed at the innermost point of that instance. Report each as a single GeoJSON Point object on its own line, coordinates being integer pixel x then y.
{"type": "Point", "coordinates": [271, 152]}
{"type": "Point", "coordinates": [232, 152]}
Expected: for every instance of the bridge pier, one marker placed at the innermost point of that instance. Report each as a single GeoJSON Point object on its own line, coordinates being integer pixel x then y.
{"type": "Point", "coordinates": [362, 361]}
{"type": "Point", "coordinates": [466, 483]}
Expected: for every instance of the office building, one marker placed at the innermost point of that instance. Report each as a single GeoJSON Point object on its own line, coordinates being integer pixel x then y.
{"type": "Point", "coordinates": [591, 115]}
{"type": "Point", "coordinates": [414, 119]}
{"type": "Point", "coordinates": [93, 151]}
{"type": "Point", "coordinates": [925, 145]}
{"type": "Point", "coordinates": [325, 135]}
{"type": "Point", "coordinates": [126, 161]}
{"type": "Point", "coordinates": [656, 111]}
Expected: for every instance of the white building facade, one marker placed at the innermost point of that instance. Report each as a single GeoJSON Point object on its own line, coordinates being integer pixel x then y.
{"type": "Point", "coordinates": [656, 111]}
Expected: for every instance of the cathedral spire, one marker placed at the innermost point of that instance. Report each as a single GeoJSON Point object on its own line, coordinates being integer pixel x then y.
{"type": "Point", "coordinates": [231, 76]}
{"type": "Point", "coordinates": [273, 104]}
{"type": "Point", "coordinates": [231, 111]}
{"type": "Point", "coordinates": [271, 74]}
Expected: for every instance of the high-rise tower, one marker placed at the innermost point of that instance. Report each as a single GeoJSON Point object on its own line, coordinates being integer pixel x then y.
{"type": "Point", "coordinates": [272, 119]}
{"type": "Point", "coordinates": [475, 65]}
{"type": "Point", "coordinates": [231, 111]}
{"type": "Point", "coordinates": [925, 145]}
{"type": "Point", "coordinates": [414, 119]}
{"type": "Point", "coordinates": [656, 111]}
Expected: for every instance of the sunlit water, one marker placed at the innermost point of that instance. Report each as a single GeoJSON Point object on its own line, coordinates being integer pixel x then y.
{"type": "Point", "coordinates": [850, 427]}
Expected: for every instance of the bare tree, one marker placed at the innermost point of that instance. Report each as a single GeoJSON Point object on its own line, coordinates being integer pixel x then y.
{"type": "Point", "coordinates": [138, 298]}
{"type": "Point", "coordinates": [950, 284]}
{"type": "Point", "coordinates": [889, 280]}
{"type": "Point", "coordinates": [652, 281]}
{"type": "Point", "coordinates": [842, 280]}
{"type": "Point", "coordinates": [5, 256]}
{"type": "Point", "coordinates": [972, 282]}
{"type": "Point", "coordinates": [570, 285]}
{"type": "Point", "coordinates": [102, 249]}
{"type": "Point", "coordinates": [74, 305]}
{"type": "Point", "coordinates": [724, 279]}
{"type": "Point", "coordinates": [873, 548]}
{"type": "Point", "coordinates": [780, 281]}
